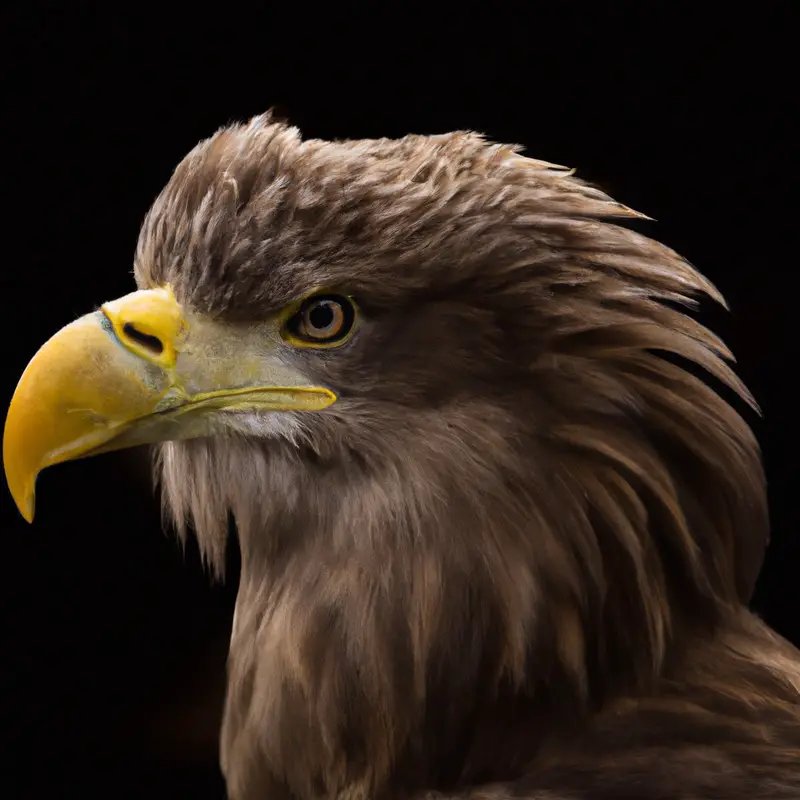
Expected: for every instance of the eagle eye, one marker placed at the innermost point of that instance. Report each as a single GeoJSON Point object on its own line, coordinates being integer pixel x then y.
{"type": "Point", "coordinates": [322, 320]}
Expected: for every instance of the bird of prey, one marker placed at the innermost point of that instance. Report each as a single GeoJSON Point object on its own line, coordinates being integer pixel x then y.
{"type": "Point", "coordinates": [497, 537]}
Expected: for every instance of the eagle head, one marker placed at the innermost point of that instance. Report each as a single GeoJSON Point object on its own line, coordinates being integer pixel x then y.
{"type": "Point", "coordinates": [445, 398]}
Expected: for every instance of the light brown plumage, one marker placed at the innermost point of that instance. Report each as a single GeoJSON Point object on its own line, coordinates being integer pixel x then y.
{"type": "Point", "coordinates": [513, 559]}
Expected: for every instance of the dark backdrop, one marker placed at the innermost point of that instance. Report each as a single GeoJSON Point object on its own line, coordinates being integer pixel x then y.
{"type": "Point", "coordinates": [114, 641]}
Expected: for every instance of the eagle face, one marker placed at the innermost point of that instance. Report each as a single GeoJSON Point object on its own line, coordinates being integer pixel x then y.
{"type": "Point", "coordinates": [389, 242]}
{"type": "Point", "coordinates": [427, 378]}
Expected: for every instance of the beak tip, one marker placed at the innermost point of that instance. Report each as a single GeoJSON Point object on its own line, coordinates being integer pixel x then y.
{"type": "Point", "coordinates": [25, 502]}
{"type": "Point", "coordinates": [27, 511]}
{"type": "Point", "coordinates": [22, 490]}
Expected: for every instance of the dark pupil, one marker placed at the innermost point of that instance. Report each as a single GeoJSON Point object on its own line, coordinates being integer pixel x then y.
{"type": "Point", "coordinates": [321, 316]}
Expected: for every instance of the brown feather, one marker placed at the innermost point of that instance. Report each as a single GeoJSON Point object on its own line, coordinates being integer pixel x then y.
{"type": "Point", "coordinates": [513, 559]}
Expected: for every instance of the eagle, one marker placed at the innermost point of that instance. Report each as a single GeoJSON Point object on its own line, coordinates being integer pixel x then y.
{"type": "Point", "coordinates": [499, 525]}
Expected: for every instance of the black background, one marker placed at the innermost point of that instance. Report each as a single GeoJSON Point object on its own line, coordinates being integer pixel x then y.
{"type": "Point", "coordinates": [114, 641]}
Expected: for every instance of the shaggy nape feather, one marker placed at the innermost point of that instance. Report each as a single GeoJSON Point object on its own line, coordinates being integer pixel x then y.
{"type": "Point", "coordinates": [522, 531]}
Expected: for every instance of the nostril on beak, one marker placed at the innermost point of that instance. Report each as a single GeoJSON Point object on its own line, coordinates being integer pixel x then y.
{"type": "Point", "coordinates": [149, 323]}
{"type": "Point", "coordinates": [145, 340]}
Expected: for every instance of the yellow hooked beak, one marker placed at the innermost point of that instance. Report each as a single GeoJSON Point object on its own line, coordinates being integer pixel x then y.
{"type": "Point", "coordinates": [141, 370]}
